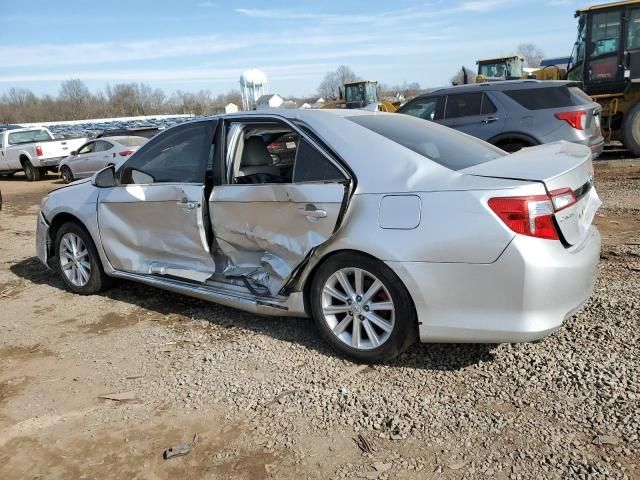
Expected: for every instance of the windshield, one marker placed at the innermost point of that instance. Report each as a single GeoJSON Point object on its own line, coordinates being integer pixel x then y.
{"type": "Point", "coordinates": [440, 144]}
{"type": "Point", "coordinates": [577, 56]}
{"type": "Point", "coordinates": [501, 69]}
{"type": "Point", "coordinates": [28, 136]}
{"type": "Point", "coordinates": [361, 92]}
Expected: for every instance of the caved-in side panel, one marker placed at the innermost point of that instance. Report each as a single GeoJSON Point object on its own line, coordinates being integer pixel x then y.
{"type": "Point", "coordinates": [267, 230]}
{"type": "Point", "coordinates": [155, 229]}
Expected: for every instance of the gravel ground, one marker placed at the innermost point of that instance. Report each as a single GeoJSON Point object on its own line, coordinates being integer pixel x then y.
{"type": "Point", "coordinates": [268, 399]}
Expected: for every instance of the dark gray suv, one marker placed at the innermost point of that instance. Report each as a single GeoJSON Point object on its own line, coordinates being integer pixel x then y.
{"type": "Point", "coordinates": [514, 114]}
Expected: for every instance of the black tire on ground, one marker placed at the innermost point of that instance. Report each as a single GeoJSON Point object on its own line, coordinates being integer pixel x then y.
{"type": "Point", "coordinates": [32, 173]}
{"type": "Point", "coordinates": [67, 174]}
{"type": "Point", "coordinates": [8, 175]}
{"type": "Point", "coordinates": [405, 326]}
{"type": "Point", "coordinates": [98, 280]}
{"type": "Point", "coordinates": [512, 146]}
{"type": "Point", "coordinates": [631, 130]}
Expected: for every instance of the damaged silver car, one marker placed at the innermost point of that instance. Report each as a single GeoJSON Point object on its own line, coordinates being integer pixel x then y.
{"type": "Point", "coordinates": [382, 227]}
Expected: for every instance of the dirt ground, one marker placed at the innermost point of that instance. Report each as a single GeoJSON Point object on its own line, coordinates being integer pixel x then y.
{"type": "Point", "coordinates": [183, 367]}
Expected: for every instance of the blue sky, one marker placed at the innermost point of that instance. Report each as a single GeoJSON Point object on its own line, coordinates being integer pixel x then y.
{"type": "Point", "coordinates": [197, 44]}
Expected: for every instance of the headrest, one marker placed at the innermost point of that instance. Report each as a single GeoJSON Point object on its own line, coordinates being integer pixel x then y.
{"type": "Point", "coordinates": [255, 153]}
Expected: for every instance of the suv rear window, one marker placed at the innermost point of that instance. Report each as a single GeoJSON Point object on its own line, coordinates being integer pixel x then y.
{"type": "Point", "coordinates": [541, 98]}
{"type": "Point", "coordinates": [440, 144]}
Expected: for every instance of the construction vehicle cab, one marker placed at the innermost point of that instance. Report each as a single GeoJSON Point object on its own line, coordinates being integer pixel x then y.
{"type": "Point", "coordinates": [606, 61]}
{"type": "Point", "coordinates": [359, 94]}
{"type": "Point", "coordinates": [500, 68]}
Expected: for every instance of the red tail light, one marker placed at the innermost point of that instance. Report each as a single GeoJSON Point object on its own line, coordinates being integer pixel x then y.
{"type": "Point", "coordinates": [577, 120]}
{"type": "Point", "coordinates": [533, 215]}
{"type": "Point", "coordinates": [38, 150]}
{"type": "Point", "coordinates": [126, 153]}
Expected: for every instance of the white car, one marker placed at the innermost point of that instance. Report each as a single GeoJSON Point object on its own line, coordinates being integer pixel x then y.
{"type": "Point", "coordinates": [98, 154]}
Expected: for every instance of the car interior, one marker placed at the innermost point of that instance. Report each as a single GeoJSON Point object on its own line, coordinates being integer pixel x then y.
{"type": "Point", "coordinates": [264, 154]}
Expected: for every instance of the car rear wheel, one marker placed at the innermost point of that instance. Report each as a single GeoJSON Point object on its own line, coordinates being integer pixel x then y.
{"type": "Point", "coordinates": [78, 262]}
{"type": "Point", "coordinates": [32, 173]}
{"type": "Point", "coordinates": [631, 130]}
{"type": "Point", "coordinates": [67, 174]}
{"type": "Point", "coordinates": [361, 308]}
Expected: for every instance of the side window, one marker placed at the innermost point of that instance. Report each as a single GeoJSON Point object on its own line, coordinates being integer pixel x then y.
{"type": "Point", "coordinates": [275, 153]}
{"type": "Point", "coordinates": [87, 148]}
{"type": "Point", "coordinates": [605, 33]}
{"type": "Point", "coordinates": [633, 35]}
{"type": "Point", "coordinates": [488, 107]}
{"type": "Point", "coordinates": [312, 166]}
{"type": "Point", "coordinates": [422, 108]}
{"type": "Point", "coordinates": [177, 156]}
{"type": "Point", "coordinates": [102, 146]}
{"type": "Point", "coordinates": [463, 105]}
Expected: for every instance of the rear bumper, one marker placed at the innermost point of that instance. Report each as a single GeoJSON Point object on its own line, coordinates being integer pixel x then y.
{"type": "Point", "coordinates": [51, 162]}
{"type": "Point", "coordinates": [524, 295]}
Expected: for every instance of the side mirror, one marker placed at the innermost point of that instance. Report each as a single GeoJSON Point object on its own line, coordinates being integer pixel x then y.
{"type": "Point", "coordinates": [73, 152]}
{"type": "Point", "coordinates": [105, 178]}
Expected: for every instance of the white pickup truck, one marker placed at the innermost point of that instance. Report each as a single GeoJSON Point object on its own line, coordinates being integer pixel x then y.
{"type": "Point", "coordinates": [33, 151]}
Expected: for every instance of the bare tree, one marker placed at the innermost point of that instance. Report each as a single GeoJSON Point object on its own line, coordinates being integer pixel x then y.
{"type": "Point", "coordinates": [334, 81]}
{"type": "Point", "coordinates": [460, 78]}
{"type": "Point", "coordinates": [75, 97]}
{"type": "Point", "coordinates": [532, 54]}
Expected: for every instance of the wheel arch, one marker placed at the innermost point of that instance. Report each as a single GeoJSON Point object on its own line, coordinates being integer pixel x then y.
{"type": "Point", "coordinates": [58, 221]}
{"type": "Point", "coordinates": [24, 158]}
{"type": "Point", "coordinates": [514, 136]}
{"type": "Point", "coordinates": [307, 281]}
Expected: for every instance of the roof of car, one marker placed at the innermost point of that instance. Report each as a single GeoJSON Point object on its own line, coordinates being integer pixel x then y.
{"type": "Point", "coordinates": [500, 86]}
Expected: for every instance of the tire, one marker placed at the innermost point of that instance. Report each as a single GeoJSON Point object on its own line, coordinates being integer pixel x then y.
{"type": "Point", "coordinates": [395, 326]}
{"type": "Point", "coordinates": [77, 261]}
{"type": "Point", "coordinates": [631, 130]}
{"type": "Point", "coordinates": [67, 174]}
{"type": "Point", "coordinates": [32, 173]}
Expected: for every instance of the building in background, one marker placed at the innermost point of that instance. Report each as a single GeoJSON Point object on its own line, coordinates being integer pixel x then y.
{"type": "Point", "coordinates": [269, 101]}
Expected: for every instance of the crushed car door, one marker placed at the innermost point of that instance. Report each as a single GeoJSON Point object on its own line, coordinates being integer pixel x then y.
{"type": "Point", "coordinates": [266, 230]}
{"type": "Point", "coordinates": [154, 222]}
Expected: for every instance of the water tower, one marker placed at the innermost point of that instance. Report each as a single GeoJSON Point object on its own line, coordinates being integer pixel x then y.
{"type": "Point", "coordinates": [253, 84]}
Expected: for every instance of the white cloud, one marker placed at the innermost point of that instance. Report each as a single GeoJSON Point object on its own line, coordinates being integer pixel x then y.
{"type": "Point", "coordinates": [207, 4]}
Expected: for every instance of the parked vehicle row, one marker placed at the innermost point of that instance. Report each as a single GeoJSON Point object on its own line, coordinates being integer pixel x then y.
{"type": "Point", "coordinates": [33, 151]}
{"type": "Point", "coordinates": [382, 227]}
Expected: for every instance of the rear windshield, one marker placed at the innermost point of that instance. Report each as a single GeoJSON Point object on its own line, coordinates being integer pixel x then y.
{"type": "Point", "coordinates": [28, 136]}
{"type": "Point", "coordinates": [443, 145]}
{"type": "Point", "coordinates": [542, 98]}
{"type": "Point", "coordinates": [132, 141]}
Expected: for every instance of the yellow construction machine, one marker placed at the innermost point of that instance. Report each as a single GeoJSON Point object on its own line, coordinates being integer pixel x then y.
{"type": "Point", "coordinates": [606, 63]}
{"type": "Point", "coordinates": [360, 94]}
{"type": "Point", "coordinates": [500, 68]}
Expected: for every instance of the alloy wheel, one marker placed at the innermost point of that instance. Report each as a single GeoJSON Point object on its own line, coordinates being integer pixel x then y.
{"type": "Point", "coordinates": [74, 259]}
{"type": "Point", "coordinates": [358, 308]}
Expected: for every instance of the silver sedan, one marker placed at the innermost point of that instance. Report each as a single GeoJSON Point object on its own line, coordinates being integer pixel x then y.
{"type": "Point", "coordinates": [97, 154]}
{"type": "Point", "coordinates": [382, 227]}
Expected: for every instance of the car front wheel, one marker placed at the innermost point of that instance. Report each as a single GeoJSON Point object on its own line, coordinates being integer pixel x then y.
{"type": "Point", "coordinates": [78, 262]}
{"type": "Point", "coordinates": [362, 308]}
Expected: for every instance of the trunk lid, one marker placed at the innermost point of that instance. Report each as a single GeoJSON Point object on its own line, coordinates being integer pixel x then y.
{"type": "Point", "coordinates": [558, 166]}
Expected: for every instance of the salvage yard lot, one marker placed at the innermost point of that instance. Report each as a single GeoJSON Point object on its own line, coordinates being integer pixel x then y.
{"type": "Point", "coordinates": [268, 399]}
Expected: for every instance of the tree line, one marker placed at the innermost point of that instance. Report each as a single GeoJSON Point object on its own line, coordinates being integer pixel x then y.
{"type": "Point", "coordinates": [76, 102]}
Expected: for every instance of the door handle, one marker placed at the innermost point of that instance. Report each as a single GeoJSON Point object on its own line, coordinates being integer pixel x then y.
{"type": "Point", "coordinates": [490, 120]}
{"type": "Point", "coordinates": [186, 203]}
{"type": "Point", "coordinates": [311, 211]}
